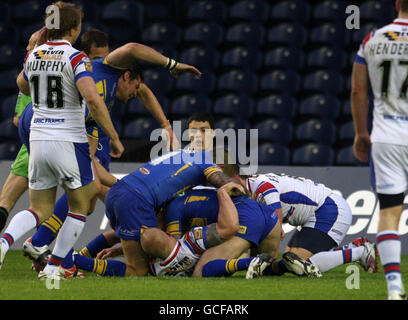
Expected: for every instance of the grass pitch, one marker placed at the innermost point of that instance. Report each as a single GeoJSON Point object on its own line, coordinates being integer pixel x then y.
{"type": "Point", "coordinates": [19, 282]}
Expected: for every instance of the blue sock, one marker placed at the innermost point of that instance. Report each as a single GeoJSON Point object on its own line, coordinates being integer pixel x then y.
{"type": "Point", "coordinates": [96, 245]}
{"type": "Point", "coordinates": [68, 262]}
{"type": "Point", "coordinates": [106, 268]}
{"type": "Point", "coordinates": [223, 267]}
{"type": "Point", "coordinates": [49, 228]}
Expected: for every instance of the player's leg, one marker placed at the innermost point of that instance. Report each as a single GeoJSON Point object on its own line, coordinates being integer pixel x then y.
{"type": "Point", "coordinates": [157, 243]}
{"type": "Point", "coordinates": [137, 261]}
{"type": "Point", "coordinates": [103, 241]}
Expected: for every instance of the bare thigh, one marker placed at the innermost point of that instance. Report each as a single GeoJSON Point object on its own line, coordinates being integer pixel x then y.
{"type": "Point", "coordinates": [13, 189]}
{"type": "Point", "coordinates": [79, 200]}
{"type": "Point", "coordinates": [270, 244]}
{"type": "Point", "coordinates": [137, 262]}
{"type": "Point", "coordinates": [42, 202]}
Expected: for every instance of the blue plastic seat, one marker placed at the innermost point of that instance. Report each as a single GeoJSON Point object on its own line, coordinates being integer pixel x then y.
{"type": "Point", "coordinates": [322, 81]}
{"type": "Point", "coordinates": [346, 131]}
{"type": "Point", "coordinates": [231, 123]}
{"type": "Point", "coordinates": [201, 57]}
{"type": "Point", "coordinates": [313, 155]}
{"type": "Point", "coordinates": [8, 131]}
{"type": "Point", "coordinates": [207, 11]}
{"type": "Point", "coordinates": [346, 108]}
{"type": "Point", "coordinates": [8, 80]}
{"type": "Point", "coordinates": [140, 128]}
{"type": "Point", "coordinates": [246, 34]}
{"type": "Point", "coordinates": [345, 157]}
{"type": "Point", "coordinates": [11, 56]}
{"type": "Point", "coordinates": [136, 107]}
{"type": "Point", "coordinates": [377, 11]}
{"type": "Point", "coordinates": [243, 58]}
{"type": "Point", "coordinates": [327, 58]}
{"type": "Point", "coordinates": [273, 154]}
{"type": "Point", "coordinates": [320, 106]}
{"type": "Point", "coordinates": [9, 150]}
{"type": "Point", "coordinates": [330, 10]}
{"type": "Point", "coordinates": [249, 10]}
{"type": "Point", "coordinates": [282, 81]}
{"type": "Point", "coordinates": [188, 82]}
{"type": "Point", "coordinates": [285, 57]}
{"type": "Point", "coordinates": [238, 81]}
{"type": "Point", "coordinates": [290, 34]}
{"type": "Point", "coordinates": [5, 13]}
{"type": "Point", "coordinates": [281, 106]}
{"type": "Point", "coordinates": [7, 107]}
{"type": "Point", "coordinates": [291, 10]}
{"type": "Point", "coordinates": [124, 12]}
{"type": "Point", "coordinates": [157, 11]}
{"type": "Point", "coordinates": [28, 11]}
{"type": "Point", "coordinates": [90, 9]}
{"type": "Point", "coordinates": [316, 130]}
{"type": "Point", "coordinates": [187, 104]}
{"type": "Point", "coordinates": [158, 80]}
{"type": "Point", "coordinates": [8, 34]}
{"type": "Point", "coordinates": [275, 130]}
{"type": "Point", "coordinates": [168, 51]}
{"type": "Point", "coordinates": [162, 33]}
{"type": "Point", "coordinates": [204, 33]}
{"type": "Point", "coordinates": [329, 34]}
{"type": "Point", "coordinates": [359, 34]}
{"type": "Point", "coordinates": [27, 30]}
{"type": "Point", "coordinates": [234, 105]}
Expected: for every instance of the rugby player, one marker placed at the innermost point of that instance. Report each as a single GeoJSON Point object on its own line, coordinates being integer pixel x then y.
{"type": "Point", "coordinates": [56, 75]}
{"type": "Point", "coordinates": [381, 63]}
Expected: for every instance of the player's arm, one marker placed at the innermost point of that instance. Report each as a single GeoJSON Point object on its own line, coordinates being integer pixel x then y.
{"type": "Point", "coordinates": [99, 112]}
{"type": "Point", "coordinates": [106, 178]}
{"type": "Point", "coordinates": [124, 56]}
{"type": "Point", "coordinates": [359, 110]}
{"type": "Point", "coordinates": [22, 83]}
{"type": "Point", "coordinates": [217, 178]}
{"type": "Point", "coordinates": [149, 100]}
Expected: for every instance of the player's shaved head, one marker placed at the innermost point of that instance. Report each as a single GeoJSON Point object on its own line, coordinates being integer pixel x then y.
{"type": "Point", "coordinates": [92, 40]}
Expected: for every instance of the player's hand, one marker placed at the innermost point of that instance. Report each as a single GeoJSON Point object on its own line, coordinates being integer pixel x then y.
{"type": "Point", "coordinates": [282, 234]}
{"type": "Point", "coordinates": [361, 147]}
{"type": "Point", "coordinates": [170, 138]}
{"type": "Point", "coordinates": [183, 68]}
{"type": "Point", "coordinates": [41, 37]}
{"type": "Point", "coordinates": [233, 189]}
{"type": "Point", "coordinates": [16, 120]}
{"type": "Point", "coordinates": [117, 148]}
{"type": "Point", "coordinates": [109, 253]}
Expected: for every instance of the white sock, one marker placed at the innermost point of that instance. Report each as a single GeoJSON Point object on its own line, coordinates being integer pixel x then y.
{"type": "Point", "coordinates": [67, 237]}
{"type": "Point", "coordinates": [328, 260]}
{"type": "Point", "coordinates": [389, 248]}
{"type": "Point", "coordinates": [22, 222]}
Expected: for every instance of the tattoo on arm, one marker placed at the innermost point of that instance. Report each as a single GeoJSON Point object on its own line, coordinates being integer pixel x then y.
{"type": "Point", "coordinates": [213, 237]}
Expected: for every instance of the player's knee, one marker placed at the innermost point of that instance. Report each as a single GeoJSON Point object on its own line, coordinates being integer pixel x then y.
{"type": "Point", "coordinates": [148, 239]}
{"type": "Point", "coordinates": [132, 271]}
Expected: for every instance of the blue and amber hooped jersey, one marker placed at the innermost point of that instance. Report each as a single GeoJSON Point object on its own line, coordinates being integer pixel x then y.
{"type": "Point", "coordinates": [166, 176]}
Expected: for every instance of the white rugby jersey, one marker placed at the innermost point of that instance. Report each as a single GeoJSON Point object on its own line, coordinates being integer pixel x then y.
{"type": "Point", "coordinates": [298, 197]}
{"type": "Point", "coordinates": [385, 52]}
{"type": "Point", "coordinates": [52, 70]}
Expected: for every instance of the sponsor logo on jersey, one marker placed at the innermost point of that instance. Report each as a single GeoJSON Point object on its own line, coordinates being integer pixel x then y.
{"type": "Point", "coordinates": [88, 66]}
{"type": "Point", "coordinates": [396, 36]}
{"type": "Point", "coordinates": [144, 170]}
{"type": "Point", "coordinates": [48, 54]}
{"type": "Point", "coordinates": [48, 121]}
{"type": "Point", "coordinates": [242, 229]}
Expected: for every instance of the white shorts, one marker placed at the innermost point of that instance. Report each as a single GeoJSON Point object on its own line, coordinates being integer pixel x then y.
{"type": "Point", "coordinates": [389, 168]}
{"type": "Point", "coordinates": [55, 163]}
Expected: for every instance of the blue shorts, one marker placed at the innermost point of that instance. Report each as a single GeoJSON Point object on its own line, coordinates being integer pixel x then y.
{"type": "Point", "coordinates": [128, 212]}
{"type": "Point", "coordinates": [256, 221]}
{"type": "Point", "coordinates": [24, 126]}
{"type": "Point", "coordinates": [103, 152]}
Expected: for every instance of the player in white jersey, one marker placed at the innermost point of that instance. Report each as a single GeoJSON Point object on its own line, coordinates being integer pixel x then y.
{"type": "Point", "coordinates": [56, 75]}
{"type": "Point", "coordinates": [323, 216]}
{"type": "Point", "coordinates": [382, 62]}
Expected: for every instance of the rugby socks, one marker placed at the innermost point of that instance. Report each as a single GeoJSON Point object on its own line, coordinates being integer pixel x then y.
{"type": "Point", "coordinates": [328, 260]}
{"type": "Point", "coordinates": [106, 268]}
{"type": "Point", "coordinates": [276, 268]}
{"type": "Point", "coordinates": [223, 268]}
{"type": "Point", "coordinates": [3, 217]}
{"type": "Point", "coordinates": [49, 228]}
{"type": "Point", "coordinates": [96, 245]}
{"type": "Point", "coordinates": [389, 248]}
{"type": "Point", "coordinates": [21, 223]}
{"type": "Point", "coordinates": [67, 237]}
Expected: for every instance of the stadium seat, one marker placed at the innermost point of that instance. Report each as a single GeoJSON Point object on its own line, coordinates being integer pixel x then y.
{"type": "Point", "coordinates": [327, 82]}
{"type": "Point", "coordinates": [140, 128]}
{"type": "Point", "coordinates": [136, 107]}
{"type": "Point", "coordinates": [249, 10]}
{"type": "Point", "coordinates": [330, 10]}
{"type": "Point", "coordinates": [204, 58]}
{"type": "Point", "coordinates": [246, 34]}
{"type": "Point", "coordinates": [320, 106]}
{"type": "Point", "coordinates": [282, 81]}
{"type": "Point", "coordinates": [124, 12]}
{"type": "Point", "coordinates": [243, 58]}
{"type": "Point", "coordinates": [234, 105]}
{"type": "Point", "coordinates": [291, 10]}
{"type": "Point", "coordinates": [9, 150]}
{"type": "Point", "coordinates": [231, 123]}
{"type": "Point", "coordinates": [273, 154]}
{"type": "Point", "coordinates": [27, 30]}
{"type": "Point", "coordinates": [8, 34]}
{"type": "Point", "coordinates": [90, 9]}
{"type": "Point", "coordinates": [7, 107]}
{"type": "Point", "coordinates": [346, 108]}
{"type": "Point", "coordinates": [281, 106]}
{"type": "Point", "coordinates": [313, 155]}
{"type": "Point", "coordinates": [167, 51]}
{"type": "Point", "coordinates": [237, 81]}
{"type": "Point", "coordinates": [8, 81]}
{"type": "Point", "coordinates": [284, 57]}
{"type": "Point", "coordinates": [346, 132]}
{"type": "Point", "coordinates": [207, 11]}
{"type": "Point", "coordinates": [275, 130]}
{"type": "Point", "coordinates": [359, 34]}
{"type": "Point", "coordinates": [5, 13]}
{"type": "Point", "coordinates": [11, 56]}
{"type": "Point", "coordinates": [327, 58]}
{"type": "Point", "coordinates": [204, 33]}
{"type": "Point", "coordinates": [188, 82]}
{"type": "Point", "coordinates": [316, 130]}
{"type": "Point", "coordinates": [162, 33]}
{"type": "Point", "coordinates": [377, 11]}
{"type": "Point", "coordinates": [28, 11]}
{"type": "Point", "coordinates": [8, 131]}
{"type": "Point", "coordinates": [187, 104]}
{"type": "Point", "coordinates": [345, 157]}
{"type": "Point", "coordinates": [290, 34]}
{"type": "Point", "coordinates": [158, 80]}
{"type": "Point", "coordinates": [329, 34]}
{"type": "Point", "coordinates": [157, 12]}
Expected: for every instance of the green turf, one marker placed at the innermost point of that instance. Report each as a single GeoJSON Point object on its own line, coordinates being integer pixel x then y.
{"type": "Point", "coordinates": [17, 281]}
